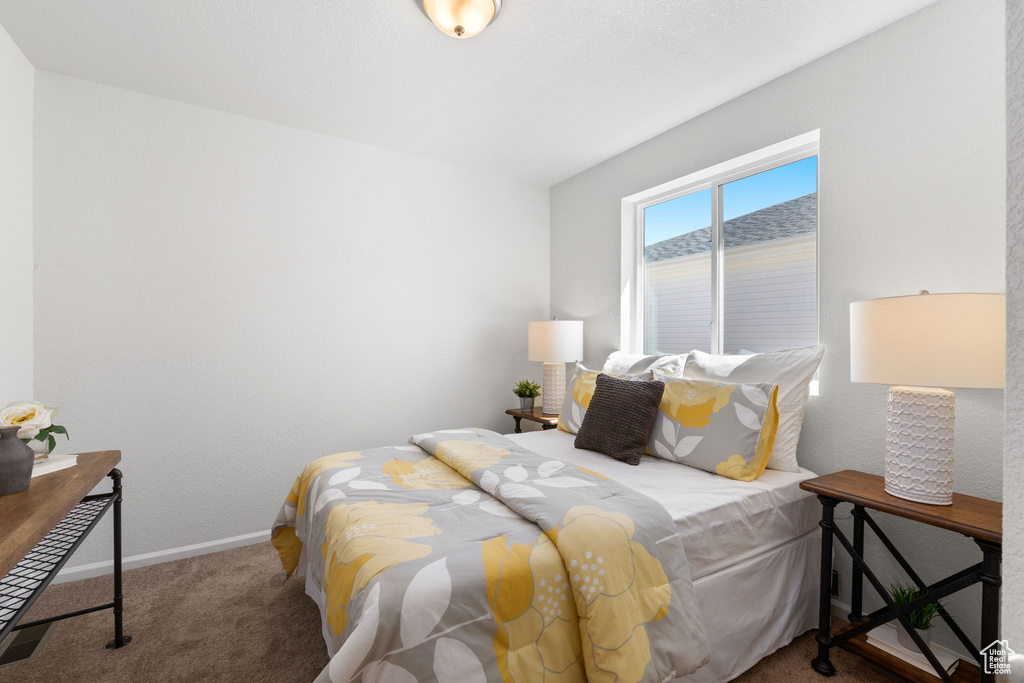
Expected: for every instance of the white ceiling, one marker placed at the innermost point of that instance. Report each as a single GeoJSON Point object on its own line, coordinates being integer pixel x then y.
{"type": "Point", "coordinates": [550, 89]}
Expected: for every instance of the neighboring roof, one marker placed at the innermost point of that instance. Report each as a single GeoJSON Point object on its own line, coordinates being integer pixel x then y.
{"type": "Point", "coordinates": [787, 219]}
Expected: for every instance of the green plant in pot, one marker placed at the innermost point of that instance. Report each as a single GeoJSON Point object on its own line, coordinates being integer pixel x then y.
{"type": "Point", "coordinates": [920, 618]}
{"type": "Point", "coordinates": [527, 391]}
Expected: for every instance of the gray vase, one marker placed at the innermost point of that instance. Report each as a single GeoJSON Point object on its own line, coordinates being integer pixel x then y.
{"type": "Point", "coordinates": [16, 460]}
{"type": "Point", "coordinates": [526, 404]}
{"type": "Point", "coordinates": [908, 642]}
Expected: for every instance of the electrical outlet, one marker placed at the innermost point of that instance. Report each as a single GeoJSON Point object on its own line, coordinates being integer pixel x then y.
{"type": "Point", "coordinates": [835, 582]}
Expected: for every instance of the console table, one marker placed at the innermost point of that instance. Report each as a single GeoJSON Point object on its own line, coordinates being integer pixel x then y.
{"type": "Point", "coordinates": [41, 527]}
{"type": "Point", "coordinates": [976, 518]}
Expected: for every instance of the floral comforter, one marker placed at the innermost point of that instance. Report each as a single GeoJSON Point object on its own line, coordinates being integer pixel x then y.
{"type": "Point", "coordinates": [464, 557]}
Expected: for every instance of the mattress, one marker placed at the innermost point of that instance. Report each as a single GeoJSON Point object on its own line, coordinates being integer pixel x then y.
{"type": "Point", "coordinates": [721, 521]}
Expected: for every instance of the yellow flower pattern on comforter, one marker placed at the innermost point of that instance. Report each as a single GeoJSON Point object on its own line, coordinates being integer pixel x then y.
{"type": "Point", "coordinates": [465, 557]}
{"type": "Point", "coordinates": [528, 591]}
{"type": "Point", "coordinates": [371, 537]}
{"type": "Point", "coordinates": [621, 585]}
{"type": "Point", "coordinates": [424, 474]}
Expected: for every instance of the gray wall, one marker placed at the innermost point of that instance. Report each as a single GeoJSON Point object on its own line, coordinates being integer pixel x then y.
{"type": "Point", "coordinates": [225, 300]}
{"type": "Point", "coordinates": [1013, 457]}
{"type": "Point", "coordinates": [912, 178]}
{"type": "Point", "coordinates": [16, 83]}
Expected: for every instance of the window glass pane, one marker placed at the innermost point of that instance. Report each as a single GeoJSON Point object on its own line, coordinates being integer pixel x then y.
{"type": "Point", "coordinates": [770, 234]}
{"type": "Point", "coordinates": [677, 274]}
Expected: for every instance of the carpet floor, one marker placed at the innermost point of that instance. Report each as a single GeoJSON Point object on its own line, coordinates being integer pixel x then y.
{"type": "Point", "coordinates": [226, 617]}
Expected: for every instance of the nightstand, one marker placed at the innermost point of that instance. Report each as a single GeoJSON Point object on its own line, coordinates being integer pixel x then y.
{"type": "Point", "coordinates": [537, 415]}
{"type": "Point", "coordinates": [976, 518]}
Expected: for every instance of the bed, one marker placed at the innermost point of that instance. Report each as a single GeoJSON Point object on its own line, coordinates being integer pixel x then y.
{"type": "Point", "coordinates": [746, 585]}
{"type": "Point", "coordinates": [753, 548]}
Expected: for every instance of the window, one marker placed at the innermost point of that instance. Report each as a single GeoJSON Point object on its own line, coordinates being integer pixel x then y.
{"type": "Point", "coordinates": [725, 260]}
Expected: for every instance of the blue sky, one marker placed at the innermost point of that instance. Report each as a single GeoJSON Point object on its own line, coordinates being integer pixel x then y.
{"type": "Point", "coordinates": [693, 211]}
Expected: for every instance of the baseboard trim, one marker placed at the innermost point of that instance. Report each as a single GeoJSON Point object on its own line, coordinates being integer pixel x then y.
{"type": "Point", "coordinates": [88, 571]}
{"type": "Point", "coordinates": [840, 610]}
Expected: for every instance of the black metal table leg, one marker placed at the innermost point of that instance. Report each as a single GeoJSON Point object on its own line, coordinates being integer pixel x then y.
{"type": "Point", "coordinates": [822, 664]}
{"type": "Point", "coordinates": [519, 420]}
{"type": "Point", "coordinates": [547, 427]}
{"type": "Point", "coordinates": [120, 639]}
{"type": "Point", "coordinates": [990, 583]}
{"type": "Point", "coordinates": [857, 580]}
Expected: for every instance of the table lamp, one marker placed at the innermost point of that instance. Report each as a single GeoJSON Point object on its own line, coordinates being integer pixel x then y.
{"type": "Point", "coordinates": [916, 343]}
{"type": "Point", "coordinates": [555, 343]}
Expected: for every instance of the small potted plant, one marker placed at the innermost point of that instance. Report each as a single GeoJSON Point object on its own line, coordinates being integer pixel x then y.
{"type": "Point", "coordinates": [920, 618]}
{"type": "Point", "coordinates": [527, 391]}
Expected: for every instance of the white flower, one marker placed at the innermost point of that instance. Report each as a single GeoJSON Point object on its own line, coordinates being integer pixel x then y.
{"type": "Point", "coordinates": [28, 415]}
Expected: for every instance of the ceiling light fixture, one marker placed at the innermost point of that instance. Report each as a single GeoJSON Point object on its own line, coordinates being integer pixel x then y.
{"type": "Point", "coordinates": [461, 18]}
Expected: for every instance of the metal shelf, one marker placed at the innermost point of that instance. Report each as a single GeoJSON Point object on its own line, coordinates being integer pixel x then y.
{"type": "Point", "coordinates": [20, 588]}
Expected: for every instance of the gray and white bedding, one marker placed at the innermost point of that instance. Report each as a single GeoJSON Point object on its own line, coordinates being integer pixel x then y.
{"type": "Point", "coordinates": [465, 556]}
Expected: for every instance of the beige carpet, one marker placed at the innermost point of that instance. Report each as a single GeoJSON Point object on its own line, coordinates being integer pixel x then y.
{"type": "Point", "coordinates": [226, 617]}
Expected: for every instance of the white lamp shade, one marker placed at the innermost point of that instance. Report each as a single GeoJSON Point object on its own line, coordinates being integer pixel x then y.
{"type": "Point", "coordinates": [461, 18]}
{"type": "Point", "coordinates": [929, 340]}
{"type": "Point", "coordinates": [556, 341]}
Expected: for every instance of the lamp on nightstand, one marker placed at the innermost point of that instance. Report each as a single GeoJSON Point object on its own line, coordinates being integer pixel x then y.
{"type": "Point", "coordinates": [555, 343]}
{"type": "Point", "coordinates": [918, 342]}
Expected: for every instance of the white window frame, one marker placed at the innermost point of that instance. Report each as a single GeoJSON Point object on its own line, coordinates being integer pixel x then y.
{"type": "Point", "coordinates": [632, 272]}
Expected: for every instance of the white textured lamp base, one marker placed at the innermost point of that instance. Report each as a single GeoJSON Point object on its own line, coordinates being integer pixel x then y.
{"type": "Point", "coordinates": [919, 445]}
{"type": "Point", "coordinates": [554, 388]}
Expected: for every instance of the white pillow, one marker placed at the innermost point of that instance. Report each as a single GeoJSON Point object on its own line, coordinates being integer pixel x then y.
{"type": "Point", "coordinates": [620, 363]}
{"type": "Point", "coordinates": [792, 370]}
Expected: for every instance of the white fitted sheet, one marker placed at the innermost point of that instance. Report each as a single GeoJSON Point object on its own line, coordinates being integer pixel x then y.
{"type": "Point", "coordinates": [721, 521]}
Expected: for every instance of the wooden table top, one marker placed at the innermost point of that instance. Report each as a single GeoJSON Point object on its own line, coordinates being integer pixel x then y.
{"type": "Point", "coordinates": [28, 516]}
{"type": "Point", "coordinates": [975, 517]}
{"type": "Point", "coordinates": [536, 415]}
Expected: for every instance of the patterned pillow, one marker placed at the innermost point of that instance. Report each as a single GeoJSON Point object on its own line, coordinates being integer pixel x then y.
{"type": "Point", "coordinates": [619, 419]}
{"type": "Point", "coordinates": [727, 429]}
{"type": "Point", "coordinates": [791, 369]}
{"type": "Point", "coordinates": [579, 393]}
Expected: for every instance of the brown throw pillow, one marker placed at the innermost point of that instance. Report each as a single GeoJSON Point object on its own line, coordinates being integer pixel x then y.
{"type": "Point", "coordinates": [620, 417]}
